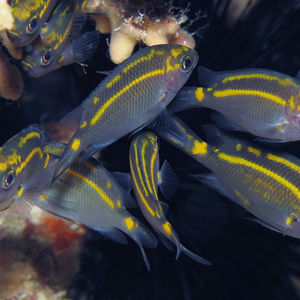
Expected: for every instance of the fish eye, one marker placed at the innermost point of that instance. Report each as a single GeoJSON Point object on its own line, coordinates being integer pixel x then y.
{"type": "Point", "coordinates": [32, 25]}
{"type": "Point", "coordinates": [9, 179]}
{"type": "Point", "coordinates": [186, 63]}
{"type": "Point", "coordinates": [46, 58]}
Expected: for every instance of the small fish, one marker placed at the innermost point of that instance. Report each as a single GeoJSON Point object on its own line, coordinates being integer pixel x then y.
{"type": "Point", "coordinates": [87, 193]}
{"type": "Point", "coordinates": [24, 168]}
{"type": "Point", "coordinates": [130, 97]}
{"type": "Point", "coordinates": [39, 61]}
{"type": "Point", "coordinates": [29, 16]}
{"type": "Point", "coordinates": [265, 183]}
{"type": "Point", "coordinates": [60, 42]}
{"type": "Point", "coordinates": [144, 170]}
{"type": "Point", "coordinates": [263, 102]}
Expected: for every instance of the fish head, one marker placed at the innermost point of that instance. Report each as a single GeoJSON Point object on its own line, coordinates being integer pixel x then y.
{"type": "Point", "coordinates": [179, 64]}
{"type": "Point", "coordinates": [39, 59]}
{"type": "Point", "coordinates": [29, 16]}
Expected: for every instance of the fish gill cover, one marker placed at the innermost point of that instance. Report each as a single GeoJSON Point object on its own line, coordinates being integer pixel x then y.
{"type": "Point", "coordinates": [249, 261]}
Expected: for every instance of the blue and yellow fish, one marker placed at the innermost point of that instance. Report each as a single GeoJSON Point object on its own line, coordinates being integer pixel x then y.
{"type": "Point", "coordinates": [265, 183]}
{"type": "Point", "coordinates": [88, 194]}
{"type": "Point", "coordinates": [263, 102]}
{"type": "Point", "coordinates": [134, 94]}
{"type": "Point", "coordinates": [144, 171]}
{"type": "Point", "coordinates": [25, 170]}
{"type": "Point", "coordinates": [29, 16]}
{"type": "Point", "coordinates": [60, 41]}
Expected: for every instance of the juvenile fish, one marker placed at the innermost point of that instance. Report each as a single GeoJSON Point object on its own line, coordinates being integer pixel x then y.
{"type": "Point", "coordinates": [60, 41]}
{"type": "Point", "coordinates": [134, 94]}
{"type": "Point", "coordinates": [265, 183]}
{"type": "Point", "coordinates": [144, 170]}
{"type": "Point", "coordinates": [263, 102]}
{"type": "Point", "coordinates": [87, 193]}
{"type": "Point", "coordinates": [29, 16]}
{"type": "Point", "coordinates": [25, 170]}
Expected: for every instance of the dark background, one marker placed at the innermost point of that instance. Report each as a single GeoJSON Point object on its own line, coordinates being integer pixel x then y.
{"type": "Point", "coordinates": [249, 261]}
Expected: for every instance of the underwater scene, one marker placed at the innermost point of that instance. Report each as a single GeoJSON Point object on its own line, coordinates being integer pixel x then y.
{"type": "Point", "coordinates": [149, 149]}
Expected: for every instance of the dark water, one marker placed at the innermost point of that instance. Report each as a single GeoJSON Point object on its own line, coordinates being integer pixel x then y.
{"type": "Point", "coordinates": [249, 261]}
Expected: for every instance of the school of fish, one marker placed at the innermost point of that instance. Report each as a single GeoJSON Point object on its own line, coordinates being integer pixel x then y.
{"type": "Point", "coordinates": [140, 98]}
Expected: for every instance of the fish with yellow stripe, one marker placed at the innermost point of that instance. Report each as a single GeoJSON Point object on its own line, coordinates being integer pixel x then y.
{"type": "Point", "coordinates": [29, 16]}
{"type": "Point", "coordinates": [263, 102]}
{"type": "Point", "coordinates": [60, 41]}
{"type": "Point", "coordinates": [265, 183]}
{"type": "Point", "coordinates": [25, 170]}
{"type": "Point", "coordinates": [144, 170]}
{"type": "Point", "coordinates": [130, 97]}
{"type": "Point", "coordinates": [89, 194]}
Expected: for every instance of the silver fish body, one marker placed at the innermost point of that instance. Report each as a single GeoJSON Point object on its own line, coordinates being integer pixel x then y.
{"type": "Point", "coordinates": [134, 94]}
{"type": "Point", "coordinates": [263, 102]}
{"type": "Point", "coordinates": [144, 170]}
{"type": "Point", "coordinates": [265, 183]}
{"type": "Point", "coordinates": [88, 194]}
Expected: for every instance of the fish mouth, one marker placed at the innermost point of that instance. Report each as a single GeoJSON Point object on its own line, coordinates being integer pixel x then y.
{"type": "Point", "coordinates": [26, 66]}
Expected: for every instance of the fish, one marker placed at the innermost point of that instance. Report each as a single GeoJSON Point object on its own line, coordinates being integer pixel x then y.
{"type": "Point", "coordinates": [25, 170]}
{"type": "Point", "coordinates": [130, 97]}
{"type": "Point", "coordinates": [145, 175]}
{"type": "Point", "coordinates": [60, 42]}
{"type": "Point", "coordinates": [262, 102]}
{"type": "Point", "coordinates": [266, 183]}
{"type": "Point", "coordinates": [87, 193]}
{"type": "Point", "coordinates": [29, 16]}
{"type": "Point", "coordinates": [39, 61]}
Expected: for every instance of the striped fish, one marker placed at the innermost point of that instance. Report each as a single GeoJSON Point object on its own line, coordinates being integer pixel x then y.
{"type": "Point", "coordinates": [134, 94]}
{"type": "Point", "coordinates": [88, 194]}
{"type": "Point", "coordinates": [265, 183]}
{"type": "Point", "coordinates": [263, 102]}
{"type": "Point", "coordinates": [144, 170]}
{"type": "Point", "coordinates": [29, 16]}
{"type": "Point", "coordinates": [24, 168]}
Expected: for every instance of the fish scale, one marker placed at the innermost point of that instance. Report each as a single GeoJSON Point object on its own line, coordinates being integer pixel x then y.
{"type": "Point", "coordinates": [264, 182]}
{"type": "Point", "coordinates": [133, 95]}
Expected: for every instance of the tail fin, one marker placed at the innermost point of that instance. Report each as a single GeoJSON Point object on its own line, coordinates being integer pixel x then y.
{"type": "Point", "coordinates": [194, 256]}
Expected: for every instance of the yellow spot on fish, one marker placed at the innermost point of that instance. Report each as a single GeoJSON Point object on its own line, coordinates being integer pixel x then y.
{"type": "Point", "coordinates": [43, 196]}
{"type": "Point", "coordinates": [169, 67]}
{"type": "Point", "coordinates": [289, 221]}
{"type": "Point", "coordinates": [6, 161]}
{"type": "Point", "coordinates": [284, 161]}
{"type": "Point", "coordinates": [75, 145]}
{"type": "Point", "coordinates": [241, 161]}
{"type": "Point", "coordinates": [83, 124]}
{"type": "Point", "coordinates": [96, 99]}
{"type": "Point", "coordinates": [279, 127]}
{"type": "Point", "coordinates": [144, 58]}
{"type": "Point", "coordinates": [291, 102]}
{"type": "Point", "coordinates": [284, 82]}
{"type": "Point", "coordinates": [46, 160]}
{"type": "Point", "coordinates": [114, 80]}
{"type": "Point", "coordinates": [31, 135]}
{"type": "Point", "coordinates": [37, 150]}
{"type": "Point", "coordinates": [209, 89]}
{"type": "Point", "coordinates": [20, 192]}
{"type": "Point", "coordinates": [119, 203]}
{"type": "Point", "coordinates": [107, 104]}
{"type": "Point", "coordinates": [129, 223]}
{"type": "Point", "coordinates": [167, 228]}
{"type": "Point", "coordinates": [158, 214]}
{"type": "Point", "coordinates": [199, 94]}
{"type": "Point", "coordinates": [93, 186]}
{"type": "Point", "coordinates": [255, 151]}
{"type": "Point", "coordinates": [238, 147]}
{"type": "Point", "coordinates": [177, 51]}
{"type": "Point", "coordinates": [268, 96]}
{"type": "Point", "coordinates": [216, 150]}
{"type": "Point", "coordinates": [241, 197]}
{"type": "Point", "coordinates": [89, 165]}
{"type": "Point", "coordinates": [199, 148]}
{"type": "Point", "coordinates": [108, 184]}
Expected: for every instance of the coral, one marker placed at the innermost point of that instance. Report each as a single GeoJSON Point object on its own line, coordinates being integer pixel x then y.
{"type": "Point", "coordinates": [6, 17]}
{"type": "Point", "coordinates": [139, 21]}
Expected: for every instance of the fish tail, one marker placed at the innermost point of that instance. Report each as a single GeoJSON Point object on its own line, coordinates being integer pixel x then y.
{"type": "Point", "coordinates": [194, 256]}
